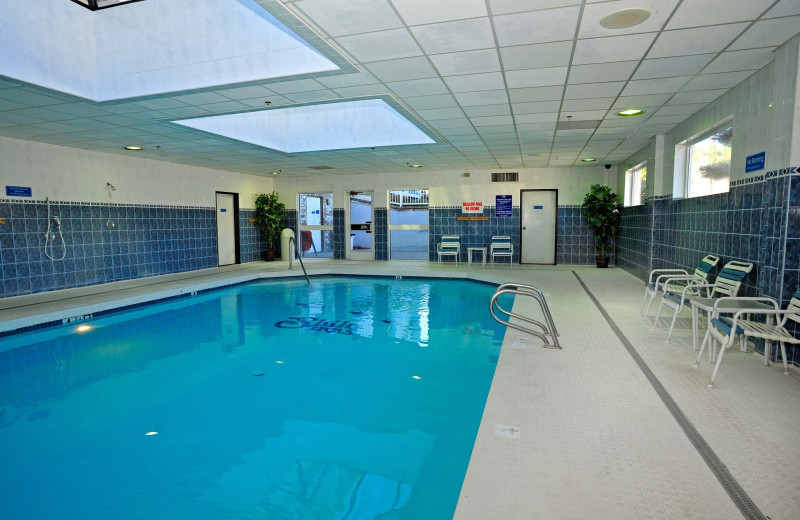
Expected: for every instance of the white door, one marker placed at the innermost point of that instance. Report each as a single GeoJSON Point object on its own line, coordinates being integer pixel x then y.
{"type": "Point", "coordinates": [360, 244]}
{"type": "Point", "coordinates": [539, 216]}
{"type": "Point", "coordinates": [226, 230]}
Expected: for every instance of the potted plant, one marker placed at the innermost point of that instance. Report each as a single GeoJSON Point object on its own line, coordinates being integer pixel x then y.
{"type": "Point", "coordinates": [270, 212]}
{"type": "Point", "coordinates": [602, 216]}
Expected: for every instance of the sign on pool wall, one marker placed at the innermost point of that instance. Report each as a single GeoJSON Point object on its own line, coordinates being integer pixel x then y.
{"type": "Point", "coordinates": [755, 162]}
{"type": "Point", "coordinates": [472, 208]}
{"type": "Point", "coordinates": [502, 206]}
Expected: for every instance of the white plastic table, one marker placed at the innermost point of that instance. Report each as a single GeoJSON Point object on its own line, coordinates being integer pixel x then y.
{"type": "Point", "coordinates": [727, 307]}
{"type": "Point", "coordinates": [471, 250]}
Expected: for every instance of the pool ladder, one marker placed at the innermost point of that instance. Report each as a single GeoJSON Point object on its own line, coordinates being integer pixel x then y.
{"type": "Point", "coordinates": [548, 332]}
{"type": "Point", "coordinates": [299, 257]}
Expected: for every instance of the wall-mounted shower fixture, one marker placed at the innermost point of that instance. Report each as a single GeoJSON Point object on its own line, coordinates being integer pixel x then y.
{"type": "Point", "coordinates": [110, 224]}
{"type": "Point", "coordinates": [111, 186]}
{"type": "Point", "coordinates": [50, 236]}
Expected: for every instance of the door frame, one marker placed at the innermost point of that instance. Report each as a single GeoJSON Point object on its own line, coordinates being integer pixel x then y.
{"type": "Point", "coordinates": [359, 255]}
{"type": "Point", "coordinates": [555, 225]}
{"type": "Point", "coordinates": [236, 239]}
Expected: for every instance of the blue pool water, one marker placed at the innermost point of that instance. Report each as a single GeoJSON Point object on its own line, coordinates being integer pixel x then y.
{"type": "Point", "coordinates": [353, 399]}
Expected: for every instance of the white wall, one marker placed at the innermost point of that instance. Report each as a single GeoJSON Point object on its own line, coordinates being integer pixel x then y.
{"type": "Point", "coordinates": [764, 110]}
{"type": "Point", "coordinates": [449, 188]}
{"type": "Point", "coordinates": [74, 175]}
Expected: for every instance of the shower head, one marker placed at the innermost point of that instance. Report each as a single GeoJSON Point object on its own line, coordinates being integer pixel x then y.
{"type": "Point", "coordinates": [111, 186]}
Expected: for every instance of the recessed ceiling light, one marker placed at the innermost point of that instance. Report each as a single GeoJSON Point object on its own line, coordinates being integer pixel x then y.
{"type": "Point", "coordinates": [133, 147]}
{"type": "Point", "coordinates": [589, 159]}
{"type": "Point", "coordinates": [415, 166]}
{"type": "Point", "coordinates": [625, 18]}
{"type": "Point", "coordinates": [630, 112]}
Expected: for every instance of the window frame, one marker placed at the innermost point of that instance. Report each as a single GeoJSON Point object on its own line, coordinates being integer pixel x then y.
{"type": "Point", "coordinates": [683, 158]}
{"type": "Point", "coordinates": [629, 185]}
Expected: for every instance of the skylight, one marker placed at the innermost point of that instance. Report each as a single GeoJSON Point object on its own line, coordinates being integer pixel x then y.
{"type": "Point", "coordinates": [151, 47]}
{"type": "Point", "coordinates": [330, 126]}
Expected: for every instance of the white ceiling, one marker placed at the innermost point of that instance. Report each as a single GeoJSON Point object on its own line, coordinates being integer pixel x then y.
{"type": "Point", "coordinates": [492, 78]}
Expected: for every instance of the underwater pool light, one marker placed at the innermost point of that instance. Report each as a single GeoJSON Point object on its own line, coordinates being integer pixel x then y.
{"type": "Point", "coordinates": [84, 328]}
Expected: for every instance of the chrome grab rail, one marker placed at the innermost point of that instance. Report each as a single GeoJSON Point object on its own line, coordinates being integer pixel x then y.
{"type": "Point", "coordinates": [299, 257]}
{"type": "Point", "coordinates": [518, 289]}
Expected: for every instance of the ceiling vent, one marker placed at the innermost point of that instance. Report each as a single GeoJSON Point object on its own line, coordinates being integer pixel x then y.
{"type": "Point", "coordinates": [578, 125]}
{"type": "Point", "coordinates": [323, 167]}
{"type": "Point", "coordinates": [505, 176]}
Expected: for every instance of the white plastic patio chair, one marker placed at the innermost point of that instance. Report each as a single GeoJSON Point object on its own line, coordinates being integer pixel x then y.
{"type": "Point", "coordinates": [449, 246]}
{"type": "Point", "coordinates": [501, 246]}
{"type": "Point", "coordinates": [679, 277]}
{"type": "Point", "coordinates": [727, 283]}
{"type": "Point", "coordinates": [724, 329]}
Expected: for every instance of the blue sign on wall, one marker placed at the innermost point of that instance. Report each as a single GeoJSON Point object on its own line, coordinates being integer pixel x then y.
{"type": "Point", "coordinates": [19, 191]}
{"type": "Point", "coordinates": [502, 206]}
{"type": "Point", "coordinates": [755, 162]}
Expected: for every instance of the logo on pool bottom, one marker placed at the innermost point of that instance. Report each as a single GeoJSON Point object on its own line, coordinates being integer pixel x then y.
{"type": "Point", "coordinates": [319, 324]}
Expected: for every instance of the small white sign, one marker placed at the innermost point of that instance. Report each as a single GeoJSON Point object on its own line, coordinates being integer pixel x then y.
{"type": "Point", "coordinates": [472, 208]}
{"type": "Point", "coordinates": [503, 430]}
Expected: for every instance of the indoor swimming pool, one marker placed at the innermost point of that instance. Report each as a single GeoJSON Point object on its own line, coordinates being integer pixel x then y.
{"type": "Point", "coordinates": [349, 398]}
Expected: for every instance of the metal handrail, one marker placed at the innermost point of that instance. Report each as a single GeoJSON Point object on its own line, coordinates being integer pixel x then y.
{"type": "Point", "coordinates": [548, 329]}
{"type": "Point", "coordinates": [299, 257]}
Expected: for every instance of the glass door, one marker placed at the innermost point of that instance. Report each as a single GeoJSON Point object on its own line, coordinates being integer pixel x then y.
{"type": "Point", "coordinates": [315, 237]}
{"type": "Point", "coordinates": [360, 244]}
{"type": "Point", "coordinates": [408, 224]}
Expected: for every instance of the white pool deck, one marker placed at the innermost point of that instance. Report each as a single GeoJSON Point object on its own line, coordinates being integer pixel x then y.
{"type": "Point", "coordinates": [591, 437]}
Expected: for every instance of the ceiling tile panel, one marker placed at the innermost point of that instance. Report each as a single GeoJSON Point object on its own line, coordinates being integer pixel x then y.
{"type": "Point", "coordinates": [522, 95]}
{"type": "Point", "coordinates": [536, 77]}
{"type": "Point", "coordinates": [418, 12]}
{"type": "Point", "coordinates": [724, 80]}
{"type": "Point", "coordinates": [468, 62]}
{"type": "Point", "coordinates": [485, 97]}
{"type": "Point", "coordinates": [549, 25]}
{"type": "Point", "coordinates": [403, 69]}
{"type": "Point", "coordinates": [418, 87]}
{"type": "Point", "coordinates": [767, 33]}
{"type": "Point", "coordinates": [731, 61]}
{"type": "Point", "coordinates": [461, 35]}
{"type": "Point", "coordinates": [602, 72]}
{"type": "Point", "coordinates": [473, 82]}
{"type": "Point", "coordinates": [784, 8]}
{"type": "Point", "coordinates": [381, 46]}
{"type": "Point", "coordinates": [702, 40]}
{"type": "Point", "coordinates": [677, 66]}
{"type": "Point", "coordinates": [698, 13]}
{"type": "Point", "coordinates": [537, 107]}
{"type": "Point", "coordinates": [351, 17]}
{"type": "Point", "coordinates": [488, 110]}
{"type": "Point", "coordinates": [592, 90]}
{"type": "Point", "coordinates": [613, 48]}
{"type": "Point", "coordinates": [537, 56]}
{"type": "Point", "coordinates": [655, 86]}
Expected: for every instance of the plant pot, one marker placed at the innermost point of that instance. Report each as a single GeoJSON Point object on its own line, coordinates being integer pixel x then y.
{"type": "Point", "coordinates": [269, 256]}
{"type": "Point", "coordinates": [602, 261]}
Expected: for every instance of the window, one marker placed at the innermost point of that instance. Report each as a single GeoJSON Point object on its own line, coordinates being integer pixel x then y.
{"type": "Point", "coordinates": [316, 224]}
{"type": "Point", "coordinates": [707, 162]}
{"type": "Point", "coordinates": [635, 182]}
{"type": "Point", "coordinates": [408, 224]}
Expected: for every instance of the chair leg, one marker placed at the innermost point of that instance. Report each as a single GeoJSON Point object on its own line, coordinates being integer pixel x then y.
{"type": "Point", "coordinates": [702, 348]}
{"type": "Point", "coordinates": [716, 366]}
{"type": "Point", "coordinates": [646, 291]}
{"type": "Point", "coordinates": [678, 310]}
{"type": "Point", "coordinates": [783, 355]}
{"type": "Point", "coordinates": [649, 305]}
{"type": "Point", "coordinates": [658, 314]}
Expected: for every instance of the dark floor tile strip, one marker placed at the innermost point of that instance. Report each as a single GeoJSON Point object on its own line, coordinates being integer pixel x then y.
{"type": "Point", "coordinates": [742, 500]}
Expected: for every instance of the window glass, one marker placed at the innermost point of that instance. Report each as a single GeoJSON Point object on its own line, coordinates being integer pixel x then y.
{"type": "Point", "coordinates": [708, 164]}
{"type": "Point", "coordinates": [408, 224]}
{"type": "Point", "coordinates": [635, 183]}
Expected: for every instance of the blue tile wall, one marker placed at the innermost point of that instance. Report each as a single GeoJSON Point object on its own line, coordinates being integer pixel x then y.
{"type": "Point", "coordinates": [757, 221]}
{"type": "Point", "coordinates": [339, 233]}
{"type": "Point", "coordinates": [575, 242]}
{"type": "Point", "coordinates": [145, 241]}
{"type": "Point", "coordinates": [381, 238]}
{"type": "Point", "coordinates": [635, 239]}
{"type": "Point", "coordinates": [251, 245]}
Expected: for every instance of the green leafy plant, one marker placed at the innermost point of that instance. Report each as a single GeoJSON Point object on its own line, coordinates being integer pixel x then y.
{"type": "Point", "coordinates": [602, 215]}
{"type": "Point", "coordinates": [270, 212]}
